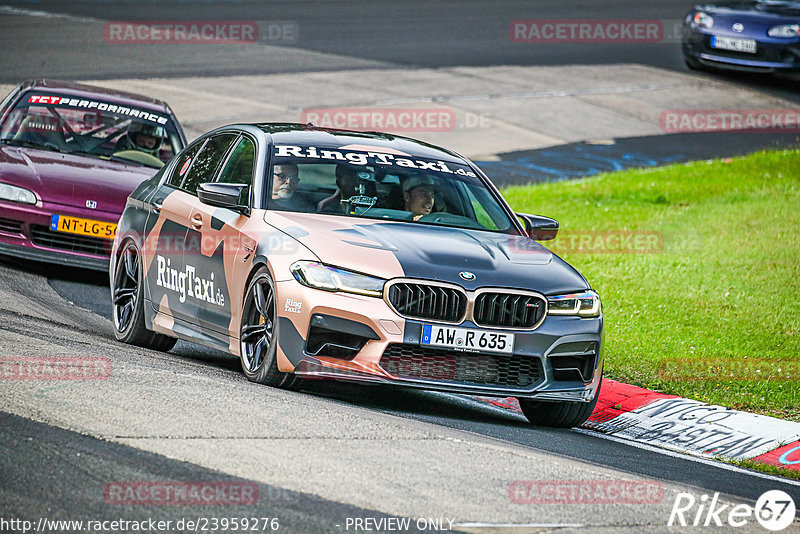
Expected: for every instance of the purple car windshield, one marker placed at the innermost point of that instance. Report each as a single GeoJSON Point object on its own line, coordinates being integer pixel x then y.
{"type": "Point", "coordinates": [91, 128]}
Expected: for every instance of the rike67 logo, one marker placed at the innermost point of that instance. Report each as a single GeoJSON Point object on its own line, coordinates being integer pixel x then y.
{"type": "Point", "coordinates": [774, 510]}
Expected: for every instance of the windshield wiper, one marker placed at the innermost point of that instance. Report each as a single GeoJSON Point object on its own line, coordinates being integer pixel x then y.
{"type": "Point", "coordinates": [53, 148]}
{"type": "Point", "coordinates": [109, 157]}
{"type": "Point", "coordinates": [30, 144]}
{"type": "Point", "coordinates": [97, 155]}
{"type": "Point", "coordinates": [121, 159]}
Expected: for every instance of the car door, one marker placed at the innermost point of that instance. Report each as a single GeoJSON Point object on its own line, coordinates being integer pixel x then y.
{"type": "Point", "coordinates": [221, 241]}
{"type": "Point", "coordinates": [200, 268]}
{"type": "Point", "coordinates": [169, 210]}
{"type": "Point", "coordinates": [169, 248]}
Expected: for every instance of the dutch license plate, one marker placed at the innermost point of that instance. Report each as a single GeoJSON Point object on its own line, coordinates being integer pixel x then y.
{"type": "Point", "coordinates": [467, 339]}
{"type": "Point", "coordinates": [76, 225]}
{"type": "Point", "coordinates": [731, 43]}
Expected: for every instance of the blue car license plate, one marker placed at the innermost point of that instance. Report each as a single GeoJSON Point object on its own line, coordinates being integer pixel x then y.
{"type": "Point", "coordinates": [733, 44]}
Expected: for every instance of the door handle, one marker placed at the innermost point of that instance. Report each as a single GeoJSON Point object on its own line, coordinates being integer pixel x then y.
{"type": "Point", "coordinates": [197, 221]}
{"type": "Point", "coordinates": [157, 203]}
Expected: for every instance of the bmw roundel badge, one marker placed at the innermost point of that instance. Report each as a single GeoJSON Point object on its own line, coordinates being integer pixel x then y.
{"type": "Point", "coordinates": [466, 275]}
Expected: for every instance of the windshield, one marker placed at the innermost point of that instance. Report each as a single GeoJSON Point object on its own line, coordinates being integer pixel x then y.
{"type": "Point", "coordinates": [374, 184]}
{"type": "Point", "coordinates": [91, 128]}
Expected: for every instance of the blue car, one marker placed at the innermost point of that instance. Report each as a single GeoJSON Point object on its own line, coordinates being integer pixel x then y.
{"type": "Point", "coordinates": [751, 36]}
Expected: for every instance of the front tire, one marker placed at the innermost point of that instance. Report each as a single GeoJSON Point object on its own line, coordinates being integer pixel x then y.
{"type": "Point", "coordinates": [559, 414]}
{"type": "Point", "coordinates": [258, 334]}
{"type": "Point", "coordinates": [693, 64]}
{"type": "Point", "coordinates": [127, 296]}
{"type": "Point", "coordinates": [793, 76]}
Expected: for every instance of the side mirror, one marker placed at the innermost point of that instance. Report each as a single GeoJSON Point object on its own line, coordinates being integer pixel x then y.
{"type": "Point", "coordinates": [225, 196]}
{"type": "Point", "coordinates": [539, 227]}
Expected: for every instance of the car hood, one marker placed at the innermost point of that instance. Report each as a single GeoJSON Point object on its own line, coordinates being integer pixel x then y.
{"type": "Point", "coordinates": [400, 249]}
{"type": "Point", "coordinates": [71, 180]}
{"type": "Point", "coordinates": [752, 7]}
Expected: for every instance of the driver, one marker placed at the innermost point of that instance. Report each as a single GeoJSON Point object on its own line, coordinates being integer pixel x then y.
{"type": "Point", "coordinates": [143, 137]}
{"type": "Point", "coordinates": [285, 178]}
{"type": "Point", "coordinates": [284, 181]}
{"type": "Point", "coordinates": [418, 193]}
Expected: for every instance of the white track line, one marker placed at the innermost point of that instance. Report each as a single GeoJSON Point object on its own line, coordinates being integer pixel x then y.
{"type": "Point", "coordinates": [21, 11]}
{"type": "Point", "coordinates": [519, 525]}
{"type": "Point", "coordinates": [689, 457]}
{"type": "Point", "coordinates": [651, 448]}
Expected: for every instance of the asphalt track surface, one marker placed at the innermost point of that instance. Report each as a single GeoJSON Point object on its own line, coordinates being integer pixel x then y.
{"type": "Point", "coordinates": [54, 473]}
{"type": "Point", "coordinates": [575, 160]}
{"type": "Point", "coordinates": [45, 469]}
{"type": "Point", "coordinates": [415, 33]}
{"type": "Point", "coordinates": [50, 472]}
{"type": "Point", "coordinates": [463, 413]}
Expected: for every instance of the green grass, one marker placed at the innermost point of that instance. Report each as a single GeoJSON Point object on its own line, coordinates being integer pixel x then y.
{"type": "Point", "coordinates": [715, 313]}
{"type": "Point", "coordinates": [765, 468]}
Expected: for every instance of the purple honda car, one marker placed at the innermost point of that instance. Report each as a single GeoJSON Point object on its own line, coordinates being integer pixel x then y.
{"type": "Point", "coordinates": [70, 155]}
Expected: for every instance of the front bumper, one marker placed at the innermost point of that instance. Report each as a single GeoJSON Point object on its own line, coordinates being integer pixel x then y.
{"type": "Point", "coordinates": [25, 233]}
{"type": "Point", "coordinates": [771, 56]}
{"type": "Point", "coordinates": [350, 337]}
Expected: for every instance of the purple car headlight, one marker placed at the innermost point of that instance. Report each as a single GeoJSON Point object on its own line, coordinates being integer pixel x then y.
{"type": "Point", "coordinates": [586, 304]}
{"type": "Point", "coordinates": [12, 193]}
{"type": "Point", "coordinates": [785, 30]}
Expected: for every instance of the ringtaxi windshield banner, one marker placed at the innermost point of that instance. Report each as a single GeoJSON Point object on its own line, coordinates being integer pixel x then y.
{"type": "Point", "coordinates": [373, 156]}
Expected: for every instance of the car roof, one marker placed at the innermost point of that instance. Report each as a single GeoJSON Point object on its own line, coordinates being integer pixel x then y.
{"type": "Point", "coordinates": [309, 135]}
{"type": "Point", "coordinates": [92, 91]}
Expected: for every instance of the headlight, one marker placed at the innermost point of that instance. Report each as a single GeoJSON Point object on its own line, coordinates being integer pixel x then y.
{"type": "Point", "coordinates": [785, 30]}
{"type": "Point", "coordinates": [16, 194]}
{"type": "Point", "coordinates": [586, 304]}
{"type": "Point", "coordinates": [319, 276]}
{"type": "Point", "coordinates": [702, 20]}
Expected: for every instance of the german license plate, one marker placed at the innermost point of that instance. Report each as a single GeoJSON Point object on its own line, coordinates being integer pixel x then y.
{"type": "Point", "coordinates": [467, 339]}
{"type": "Point", "coordinates": [76, 225]}
{"type": "Point", "coordinates": [731, 43]}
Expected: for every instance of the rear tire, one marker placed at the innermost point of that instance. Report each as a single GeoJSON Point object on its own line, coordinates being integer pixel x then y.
{"type": "Point", "coordinates": [128, 303]}
{"type": "Point", "coordinates": [559, 414]}
{"type": "Point", "coordinates": [258, 334]}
